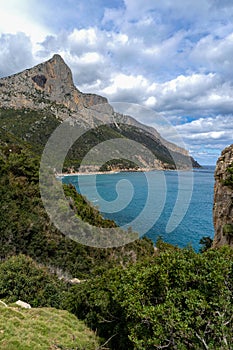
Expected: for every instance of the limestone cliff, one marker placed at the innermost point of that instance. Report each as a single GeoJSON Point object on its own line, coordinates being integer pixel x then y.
{"type": "Point", "coordinates": [223, 199]}
{"type": "Point", "coordinates": [47, 82]}
{"type": "Point", "coordinates": [49, 87]}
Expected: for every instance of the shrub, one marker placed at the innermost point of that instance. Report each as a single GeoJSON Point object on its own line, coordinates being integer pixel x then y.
{"type": "Point", "coordinates": [178, 300]}
{"type": "Point", "coordinates": [21, 278]}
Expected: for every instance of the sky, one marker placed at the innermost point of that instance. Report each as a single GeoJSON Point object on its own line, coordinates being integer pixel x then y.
{"type": "Point", "coordinates": [173, 57]}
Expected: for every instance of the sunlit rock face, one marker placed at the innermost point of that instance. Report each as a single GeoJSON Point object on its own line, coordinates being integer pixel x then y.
{"type": "Point", "coordinates": [223, 199]}
{"type": "Point", "coordinates": [49, 87]}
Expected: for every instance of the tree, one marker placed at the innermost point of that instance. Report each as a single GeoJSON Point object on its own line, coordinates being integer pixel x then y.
{"type": "Point", "coordinates": [177, 300]}
{"type": "Point", "coordinates": [206, 243]}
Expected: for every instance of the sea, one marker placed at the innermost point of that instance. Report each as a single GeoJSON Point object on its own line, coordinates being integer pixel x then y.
{"type": "Point", "coordinates": [174, 205]}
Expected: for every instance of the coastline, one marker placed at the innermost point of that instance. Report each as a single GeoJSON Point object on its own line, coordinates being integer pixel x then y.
{"type": "Point", "coordinates": [105, 172]}
{"type": "Point", "coordinates": [88, 173]}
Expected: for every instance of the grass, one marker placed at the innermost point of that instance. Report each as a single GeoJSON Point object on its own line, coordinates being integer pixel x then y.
{"type": "Point", "coordinates": [43, 329]}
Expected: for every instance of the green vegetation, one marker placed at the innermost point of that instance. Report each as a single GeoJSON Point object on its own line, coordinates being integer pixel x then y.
{"type": "Point", "coordinates": [34, 128]}
{"type": "Point", "coordinates": [177, 300]}
{"type": "Point", "coordinates": [228, 229]}
{"type": "Point", "coordinates": [43, 329]}
{"type": "Point", "coordinates": [29, 126]}
{"type": "Point", "coordinates": [132, 297]}
{"type": "Point", "coordinates": [229, 179]}
{"type": "Point", "coordinates": [121, 164]}
{"type": "Point", "coordinates": [25, 227]}
{"type": "Point", "coordinates": [85, 211]}
{"type": "Point", "coordinates": [21, 278]}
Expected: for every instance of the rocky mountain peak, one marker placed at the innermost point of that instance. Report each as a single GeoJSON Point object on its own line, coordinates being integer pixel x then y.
{"type": "Point", "coordinates": [49, 87]}
{"type": "Point", "coordinates": [53, 76]}
{"type": "Point", "coordinates": [48, 82]}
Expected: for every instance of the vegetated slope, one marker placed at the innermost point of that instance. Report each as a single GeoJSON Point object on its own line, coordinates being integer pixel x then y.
{"type": "Point", "coordinates": [177, 300]}
{"type": "Point", "coordinates": [35, 128]}
{"type": "Point", "coordinates": [25, 227]}
{"type": "Point", "coordinates": [29, 125]}
{"type": "Point", "coordinates": [48, 89]}
{"type": "Point", "coordinates": [43, 329]}
{"type": "Point", "coordinates": [131, 298]}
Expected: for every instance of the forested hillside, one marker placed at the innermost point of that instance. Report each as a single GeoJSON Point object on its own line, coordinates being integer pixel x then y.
{"type": "Point", "coordinates": [25, 227]}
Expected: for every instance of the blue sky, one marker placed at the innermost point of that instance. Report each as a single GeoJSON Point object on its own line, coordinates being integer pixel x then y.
{"type": "Point", "coordinates": [175, 57]}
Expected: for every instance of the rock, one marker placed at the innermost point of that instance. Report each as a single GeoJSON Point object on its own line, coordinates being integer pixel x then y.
{"type": "Point", "coordinates": [75, 281]}
{"type": "Point", "coordinates": [23, 304]}
{"type": "Point", "coordinates": [49, 87]}
{"type": "Point", "coordinates": [47, 82]}
{"type": "Point", "coordinates": [223, 199]}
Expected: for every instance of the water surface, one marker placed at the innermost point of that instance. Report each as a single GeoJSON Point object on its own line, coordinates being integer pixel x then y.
{"type": "Point", "coordinates": [123, 197]}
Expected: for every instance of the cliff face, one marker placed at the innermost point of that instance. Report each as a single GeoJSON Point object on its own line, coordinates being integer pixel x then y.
{"type": "Point", "coordinates": [223, 199]}
{"type": "Point", "coordinates": [49, 87]}
{"type": "Point", "coordinates": [48, 82]}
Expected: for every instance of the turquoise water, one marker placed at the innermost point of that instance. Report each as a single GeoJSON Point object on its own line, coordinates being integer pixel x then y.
{"type": "Point", "coordinates": [123, 196]}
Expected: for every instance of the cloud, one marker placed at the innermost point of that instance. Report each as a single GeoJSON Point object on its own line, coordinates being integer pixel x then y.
{"type": "Point", "coordinates": [210, 134]}
{"type": "Point", "coordinates": [15, 53]}
{"type": "Point", "coordinates": [195, 94]}
{"type": "Point", "coordinates": [18, 16]}
{"type": "Point", "coordinates": [172, 56]}
{"type": "Point", "coordinates": [215, 54]}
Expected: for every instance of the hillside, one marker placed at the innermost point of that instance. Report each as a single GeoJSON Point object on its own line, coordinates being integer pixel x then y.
{"type": "Point", "coordinates": [130, 297]}
{"type": "Point", "coordinates": [34, 102]}
{"type": "Point", "coordinates": [26, 228]}
{"type": "Point", "coordinates": [43, 329]}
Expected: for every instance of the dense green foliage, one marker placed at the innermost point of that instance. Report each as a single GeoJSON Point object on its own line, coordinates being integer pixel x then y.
{"type": "Point", "coordinates": [107, 132]}
{"type": "Point", "coordinates": [119, 164]}
{"type": "Point", "coordinates": [30, 126]}
{"type": "Point", "coordinates": [43, 329]}
{"type": "Point", "coordinates": [21, 278]}
{"type": "Point", "coordinates": [178, 300]}
{"type": "Point", "coordinates": [228, 229]}
{"type": "Point", "coordinates": [85, 211]}
{"type": "Point", "coordinates": [131, 296]}
{"type": "Point", "coordinates": [25, 227]}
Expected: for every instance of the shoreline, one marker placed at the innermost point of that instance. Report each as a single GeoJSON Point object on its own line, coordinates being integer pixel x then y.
{"type": "Point", "coordinates": [105, 172]}
{"type": "Point", "coordinates": [110, 172]}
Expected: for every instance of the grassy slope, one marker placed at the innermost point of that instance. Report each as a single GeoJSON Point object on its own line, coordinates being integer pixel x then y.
{"type": "Point", "coordinates": [43, 329]}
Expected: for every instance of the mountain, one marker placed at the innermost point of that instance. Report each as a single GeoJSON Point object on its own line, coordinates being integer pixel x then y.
{"type": "Point", "coordinates": [34, 102]}
{"type": "Point", "coordinates": [223, 199]}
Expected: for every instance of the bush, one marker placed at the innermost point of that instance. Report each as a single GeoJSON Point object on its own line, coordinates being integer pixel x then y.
{"type": "Point", "coordinates": [21, 278]}
{"type": "Point", "coordinates": [178, 300]}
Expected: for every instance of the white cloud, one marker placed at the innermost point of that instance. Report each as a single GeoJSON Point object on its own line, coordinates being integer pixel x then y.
{"type": "Point", "coordinates": [208, 133]}
{"type": "Point", "coordinates": [17, 17]}
{"type": "Point", "coordinates": [15, 53]}
{"type": "Point", "coordinates": [84, 36]}
{"type": "Point", "coordinates": [215, 53]}
{"type": "Point", "coordinates": [123, 82]}
{"type": "Point", "coordinates": [172, 56]}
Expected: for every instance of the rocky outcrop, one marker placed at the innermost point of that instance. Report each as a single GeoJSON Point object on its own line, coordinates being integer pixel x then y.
{"type": "Point", "coordinates": [23, 304]}
{"type": "Point", "coordinates": [48, 82]}
{"type": "Point", "coordinates": [49, 87]}
{"type": "Point", "coordinates": [223, 199]}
